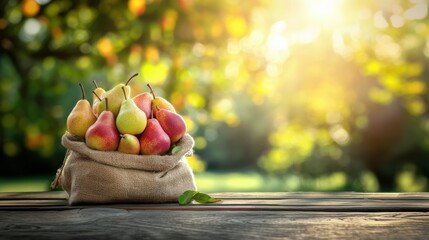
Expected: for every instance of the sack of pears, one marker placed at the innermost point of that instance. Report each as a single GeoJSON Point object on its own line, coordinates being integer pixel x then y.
{"type": "Point", "coordinates": [91, 176]}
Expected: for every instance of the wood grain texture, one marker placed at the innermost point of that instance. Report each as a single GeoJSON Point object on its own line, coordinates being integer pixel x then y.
{"type": "Point", "coordinates": [346, 202]}
{"type": "Point", "coordinates": [33, 195]}
{"type": "Point", "coordinates": [248, 195]}
{"type": "Point", "coordinates": [320, 195]}
{"type": "Point", "coordinates": [238, 216]}
{"type": "Point", "coordinates": [102, 223]}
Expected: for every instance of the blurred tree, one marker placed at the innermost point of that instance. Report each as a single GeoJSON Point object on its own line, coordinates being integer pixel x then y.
{"type": "Point", "coordinates": [356, 83]}
{"type": "Point", "coordinates": [47, 47]}
{"type": "Point", "coordinates": [328, 89]}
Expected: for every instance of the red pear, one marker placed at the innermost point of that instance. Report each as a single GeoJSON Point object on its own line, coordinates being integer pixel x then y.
{"type": "Point", "coordinates": [144, 102]}
{"type": "Point", "coordinates": [154, 141]}
{"type": "Point", "coordinates": [103, 134]}
{"type": "Point", "coordinates": [172, 123]}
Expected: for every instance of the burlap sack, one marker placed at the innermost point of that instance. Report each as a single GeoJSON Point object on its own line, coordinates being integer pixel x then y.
{"type": "Point", "coordinates": [91, 176]}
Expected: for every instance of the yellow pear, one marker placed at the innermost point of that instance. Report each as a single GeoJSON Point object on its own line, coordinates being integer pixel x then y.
{"type": "Point", "coordinates": [160, 103]}
{"type": "Point", "coordinates": [81, 117]}
{"type": "Point", "coordinates": [129, 144]}
{"type": "Point", "coordinates": [97, 92]}
{"type": "Point", "coordinates": [116, 97]}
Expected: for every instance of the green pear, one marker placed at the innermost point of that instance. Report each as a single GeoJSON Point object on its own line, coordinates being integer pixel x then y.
{"type": "Point", "coordinates": [116, 96]}
{"type": "Point", "coordinates": [81, 117]}
{"type": "Point", "coordinates": [103, 135]}
{"type": "Point", "coordinates": [130, 119]}
{"type": "Point", "coordinates": [97, 92]}
{"type": "Point", "coordinates": [159, 102]}
{"type": "Point", "coordinates": [129, 144]}
{"type": "Point", "coordinates": [154, 141]}
{"type": "Point", "coordinates": [172, 123]}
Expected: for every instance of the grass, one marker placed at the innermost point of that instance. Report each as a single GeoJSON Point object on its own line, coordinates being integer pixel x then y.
{"type": "Point", "coordinates": [206, 182]}
{"type": "Point", "coordinates": [29, 184]}
{"type": "Point", "coordinates": [229, 182]}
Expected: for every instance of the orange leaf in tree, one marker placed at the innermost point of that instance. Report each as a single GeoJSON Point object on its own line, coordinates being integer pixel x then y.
{"type": "Point", "coordinates": [112, 59]}
{"type": "Point", "coordinates": [105, 47]}
{"type": "Point", "coordinates": [57, 32]}
{"type": "Point", "coordinates": [152, 54]}
{"type": "Point", "coordinates": [3, 23]}
{"type": "Point", "coordinates": [184, 4]}
{"type": "Point", "coordinates": [168, 22]}
{"type": "Point", "coordinates": [30, 8]}
{"type": "Point", "coordinates": [137, 7]}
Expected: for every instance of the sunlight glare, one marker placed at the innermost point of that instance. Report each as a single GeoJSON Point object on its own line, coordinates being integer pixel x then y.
{"type": "Point", "coordinates": [277, 43]}
{"type": "Point", "coordinates": [323, 9]}
{"type": "Point", "coordinates": [418, 11]}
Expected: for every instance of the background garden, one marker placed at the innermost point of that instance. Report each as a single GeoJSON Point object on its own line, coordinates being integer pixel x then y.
{"type": "Point", "coordinates": [280, 95]}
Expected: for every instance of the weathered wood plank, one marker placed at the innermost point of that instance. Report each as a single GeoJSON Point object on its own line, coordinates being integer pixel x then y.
{"type": "Point", "coordinates": [321, 195]}
{"type": "Point", "coordinates": [33, 202]}
{"type": "Point", "coordinates": [238, 216]}
{"type": "Point", "coordinates": [248, 195]}
{"type": "Point", "coordinates": [33, 195]}
{"type": "Point", "coordinates": [101, 223]}
{"type": "Point", "coordinates": [245, 201]}
{"type": "Point", "coordinates": [364, 205]}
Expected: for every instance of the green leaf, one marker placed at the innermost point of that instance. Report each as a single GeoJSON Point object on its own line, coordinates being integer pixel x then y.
{"type": "Point", "coordinates": [190, 195]}
{"type": "Point", "coordinates": [187, 197]}
{"type": "Point", "coordinates": [176, 149]}
{"type": "Point", "coordinates": [205, 198]}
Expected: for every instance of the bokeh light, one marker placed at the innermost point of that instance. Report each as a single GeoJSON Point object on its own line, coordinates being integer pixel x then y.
{"type": "Point", "coordinates": [313, 95]}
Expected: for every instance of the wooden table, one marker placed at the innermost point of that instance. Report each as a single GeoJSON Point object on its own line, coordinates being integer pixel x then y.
{"type": "Point", "coordinates": [296, 215]}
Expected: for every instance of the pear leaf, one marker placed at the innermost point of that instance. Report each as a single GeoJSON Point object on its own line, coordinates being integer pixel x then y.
{"type": "Point", "coordinates": [187, 197]}
{"type": "Point", "coordinates": [176, 149]}
{"type": "Point", "coordinates": [205, 198]}
{"type": "Point", "coordinates": [200, 197]}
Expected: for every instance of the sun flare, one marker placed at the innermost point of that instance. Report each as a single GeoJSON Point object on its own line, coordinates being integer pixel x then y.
{"type": "Point", "coordinates": [323, 10]}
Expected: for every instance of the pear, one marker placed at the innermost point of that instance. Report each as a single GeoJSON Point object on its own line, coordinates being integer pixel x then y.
{"type": "Point", "coordinates": [81, 117]}
{"type": "Point", "coordinates": [129, 144]}
{"type": "Point", "coordinates": [154, 141]}
{"type": "Point", "coordinates": [172, 123]}
{"type": "Point", "coordinates": [159, 102]}
{"type": "Point", "coordinates": [130, 119]}
{"type": "Point", "coordinates": [116, 96]}
{"type": "Point", "coordinates": [103, 135]}
{"type": "Point", "coordinates": [97, 109]}
{"type": "Point", "coordinates": [144, 102]}
{"type": "Point", "coordinates": [97, 92]}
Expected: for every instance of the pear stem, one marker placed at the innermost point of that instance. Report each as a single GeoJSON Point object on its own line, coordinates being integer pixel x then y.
{"type": "Point", "coordinates": [151, 91]}
{"type": "Point", "coordinates": [135, 74]}
{"type": "Point", "coordinates": [107, 104]}
{"type": "Point", "coordinates": [125, 94]}
{"type": "Point", "coordinates": [82, 90]}
{"type": "Point", "coordinates": [95, 83]}
{"type": "Point", "coordinates": [96, 95]}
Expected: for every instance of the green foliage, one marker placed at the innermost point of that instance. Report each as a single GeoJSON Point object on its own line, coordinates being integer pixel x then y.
{"type": "Point", "coordinates": [241, 182]}
{"type": "Point", "coordinates": [328, 91]}
{"type": "Point", "coordinates": [200, 197]}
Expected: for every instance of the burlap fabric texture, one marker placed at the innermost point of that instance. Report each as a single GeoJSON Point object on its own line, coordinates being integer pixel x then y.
{"type": "Point", "coordinates": [91, 176]}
